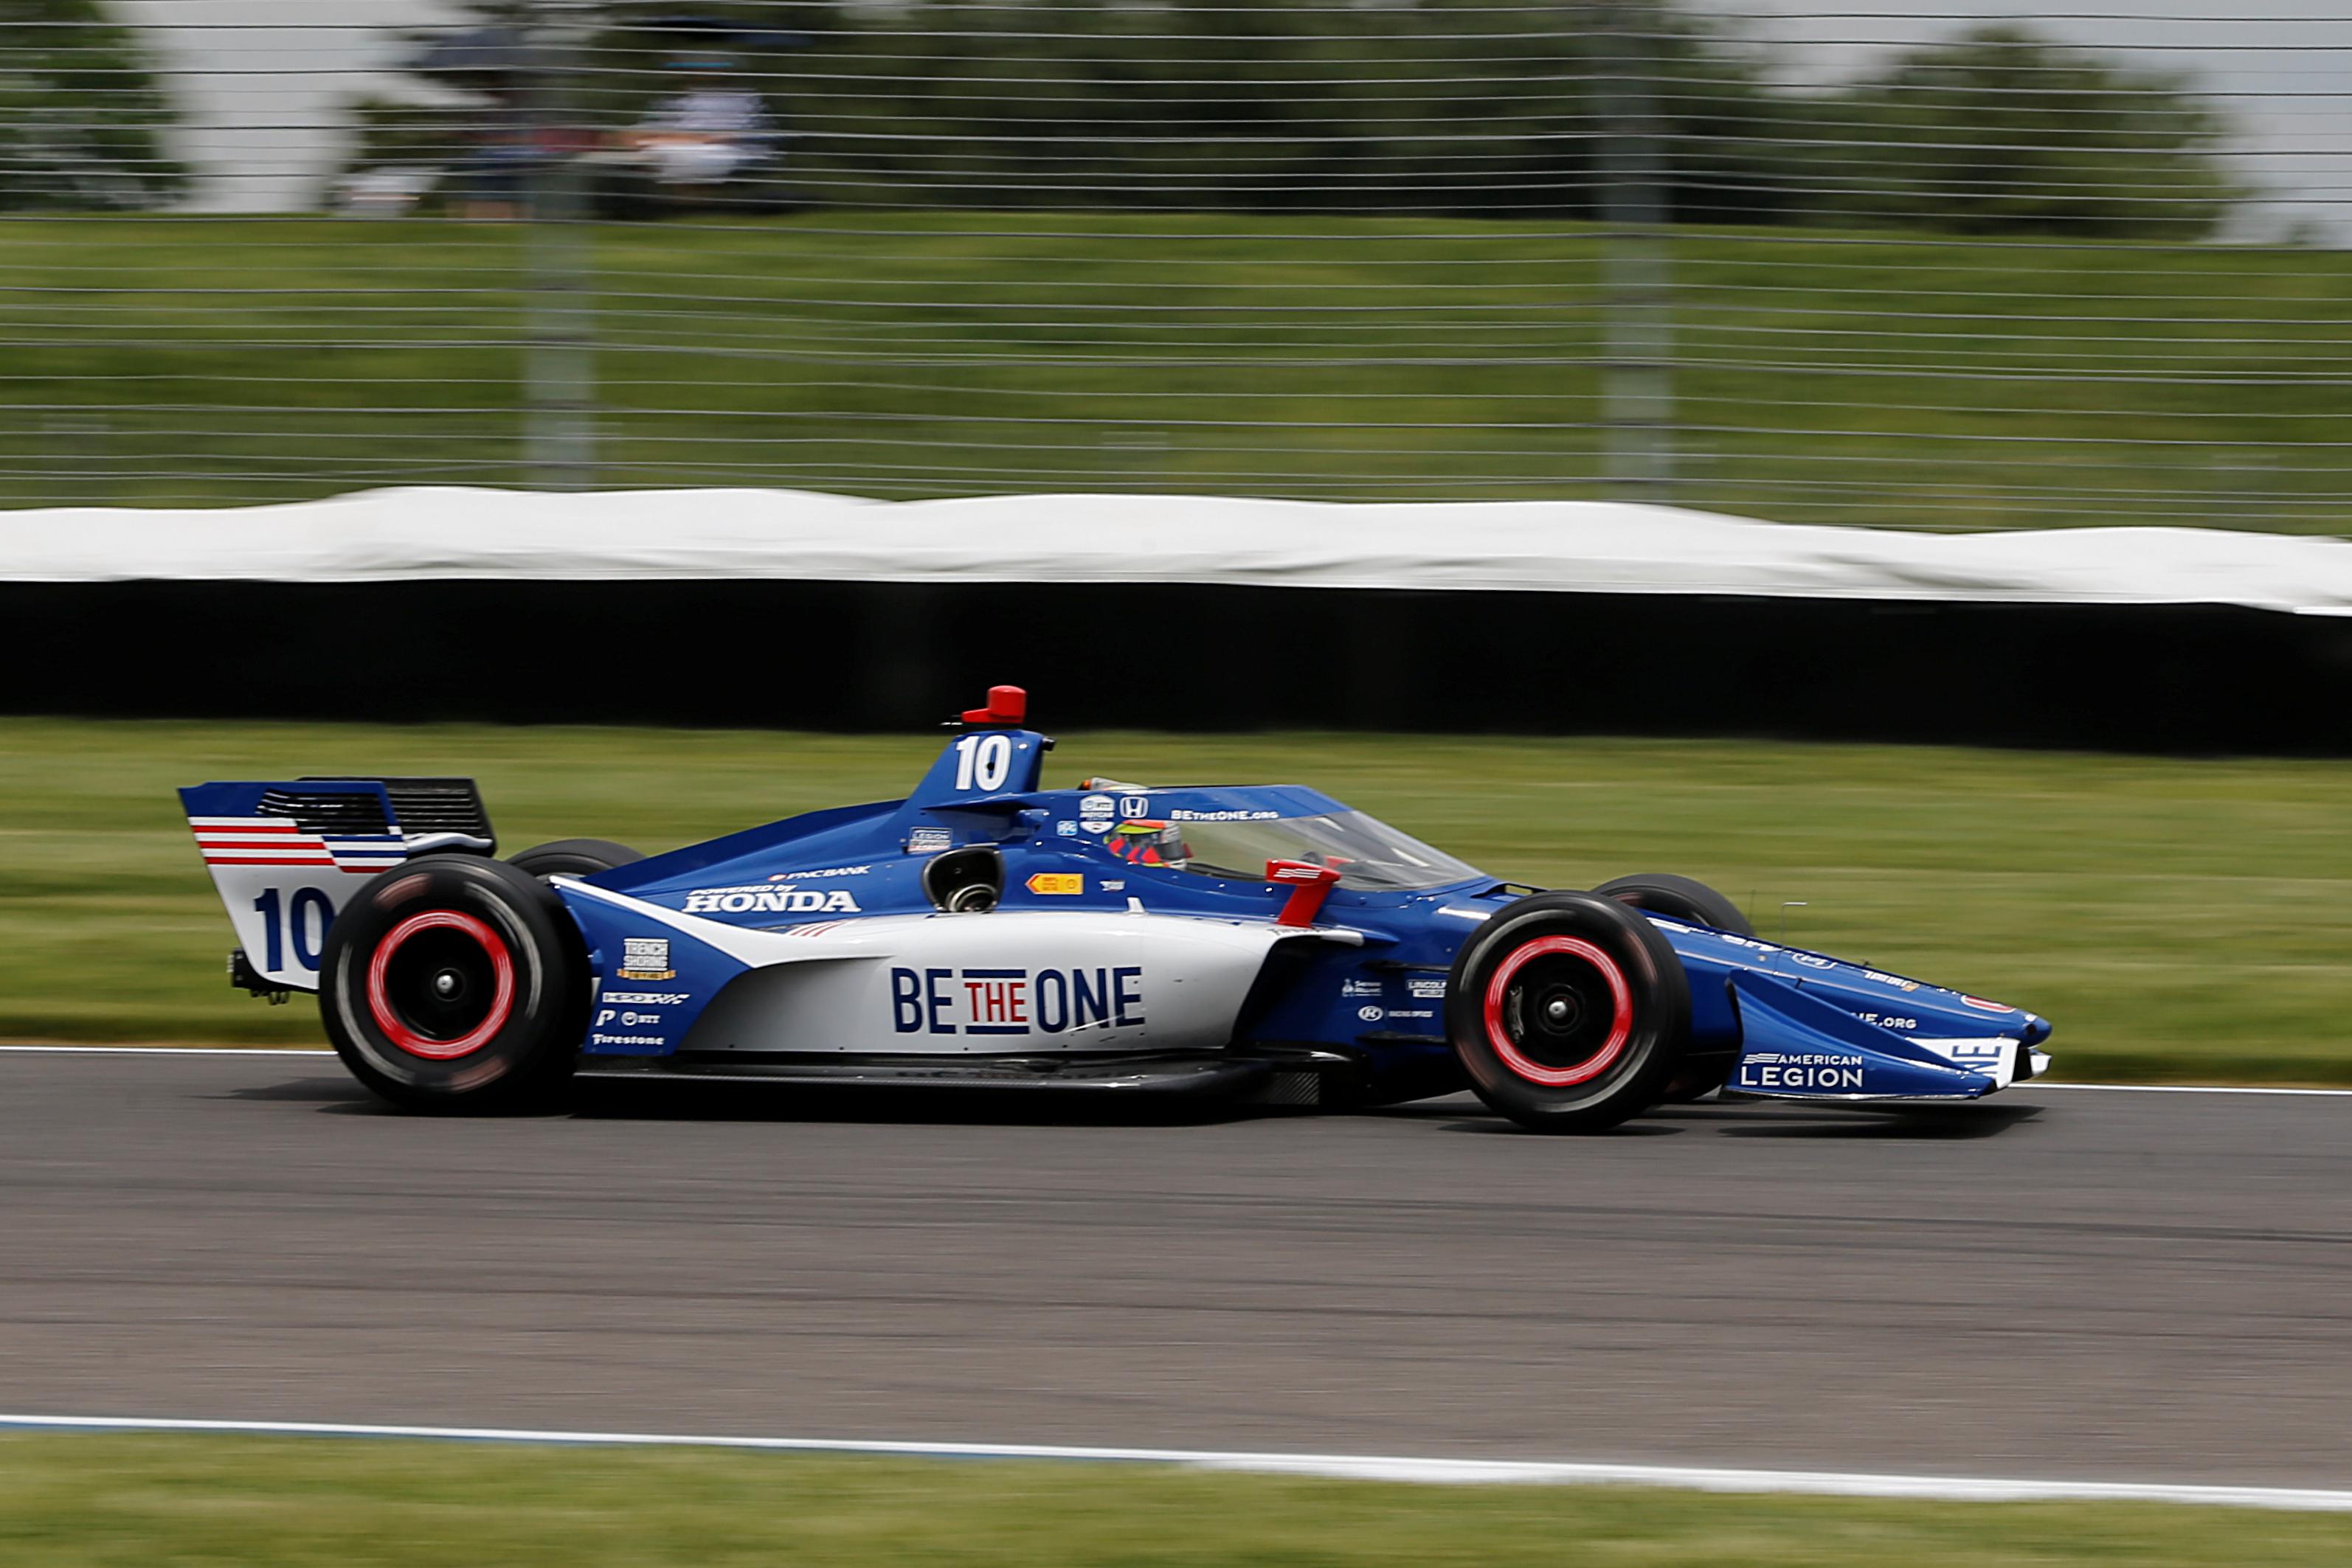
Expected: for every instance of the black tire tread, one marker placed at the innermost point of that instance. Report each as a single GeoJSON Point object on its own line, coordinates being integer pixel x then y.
{"type": "Point", "coordinates": [573, 857]}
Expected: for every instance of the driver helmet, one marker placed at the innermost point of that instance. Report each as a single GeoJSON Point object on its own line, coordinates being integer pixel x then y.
{"type": "Point", "coordinates": [1147, 841]}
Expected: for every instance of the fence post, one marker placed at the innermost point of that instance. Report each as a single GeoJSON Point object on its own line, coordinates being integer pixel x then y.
{"type": "Point", "coordinates": [559, 363]}
{"type": "Point", "coordinates": [1637, 391]}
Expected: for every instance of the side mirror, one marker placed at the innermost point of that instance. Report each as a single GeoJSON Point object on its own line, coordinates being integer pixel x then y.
{"type": "Point", "coordinates": [1309, 885]}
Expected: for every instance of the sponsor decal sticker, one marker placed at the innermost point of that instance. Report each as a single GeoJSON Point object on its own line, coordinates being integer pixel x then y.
{"type": "Point", "coordinates": [626, 1039]}
{"type": "Point", "coordinates": [1896, 980]}
{"type": "Point", "coordinates": [1426, 989]}
{"type": "Point", "coordinates": [628, 1020]}
{"type": "Point", "coordinates": [1182, 816]}
{"type": "Point", "coordinates": [1015, 1001]}
{"type": "Point", "coordinates": [1097, 813]}
{"type": "Point", "coordinates": [1359, 987]}
{"type": "Point", "coordinates": [1370, 1015]}
{"type": "Point", "coordinates": [1056, 883]}
{"type": "Point", "coordinates": [1067, 828]}
{"type": "Point", "coordinates": [1132, 806]}
{"type": "Point", "coordinates": [769, 900]}
{"type": "Point", "coordinates": [646, 999]}
{"type": "Point", "coordinates": [1984, 1006]}
{"type": "Point", "coordinates": [645, 958]}
{"type": "Point", "coordinates": [1799, 1070]}
{"type": "Point", "coordinates": [824, 871]}
{"type": "Point", "coordinates": [1812, 960]}
{"type": "Point", "coordinates": [1413, 1012]}
{"type": "Point", "coordinates": [1109, 886]}
{"type": "Point", "coordinates": [1749, 943]}
{"type": "Point", "coordinates": [1888, 1020]}
{"type": "Point", "coordinates": [927, 841]}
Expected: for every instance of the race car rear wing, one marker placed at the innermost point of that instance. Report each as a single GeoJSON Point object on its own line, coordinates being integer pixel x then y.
{"type": "Point", "coordinates": [286, 857]}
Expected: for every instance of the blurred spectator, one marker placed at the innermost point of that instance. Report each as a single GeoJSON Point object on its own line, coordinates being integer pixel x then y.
{"type": "Point", "coordinates": [707, 134]}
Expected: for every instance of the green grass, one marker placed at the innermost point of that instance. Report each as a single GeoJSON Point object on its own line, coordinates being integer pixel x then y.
{"type": "Point", "coordinates": [1822, 377]}
{"type": "Point", "coordinates": [138, 1501]}
{"type": "Point", "coordinates": [2189, 921]}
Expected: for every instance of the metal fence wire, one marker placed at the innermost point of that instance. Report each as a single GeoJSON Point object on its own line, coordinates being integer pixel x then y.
{"type": "Point", "coordinates": [1897, 267]}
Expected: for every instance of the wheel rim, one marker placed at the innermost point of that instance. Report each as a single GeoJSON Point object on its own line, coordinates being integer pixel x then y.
{"type": "Point", "coordinates": [1558, 1011]}
{"type": "Point", "coordinates": [441, 985]}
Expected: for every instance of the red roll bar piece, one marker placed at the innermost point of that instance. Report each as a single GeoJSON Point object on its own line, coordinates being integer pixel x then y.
{"type": "Point", "coordinates": [1309, 885]}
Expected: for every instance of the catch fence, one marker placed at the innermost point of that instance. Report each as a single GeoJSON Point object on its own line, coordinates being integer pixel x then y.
{"type": "Point", "coordinates": [1824, 265]}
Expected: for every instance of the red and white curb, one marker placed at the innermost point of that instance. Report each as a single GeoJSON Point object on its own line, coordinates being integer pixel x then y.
{"type": "Point", "coordinates": [1346, 1467]}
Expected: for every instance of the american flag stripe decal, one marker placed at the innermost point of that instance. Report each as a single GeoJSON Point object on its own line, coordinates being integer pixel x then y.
{"type": "Point", "coordinates": [279, 841]}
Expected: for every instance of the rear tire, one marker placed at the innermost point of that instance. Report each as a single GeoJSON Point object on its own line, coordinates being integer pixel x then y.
{"type": "Point", "coordinates": [456, 982]}
{"type": "Point", "coordinates": [1568, 1011]}
{"type": "Point", "coordinates": [573, 857]}
{"type": "Point", "coordinates": [1685, 898]}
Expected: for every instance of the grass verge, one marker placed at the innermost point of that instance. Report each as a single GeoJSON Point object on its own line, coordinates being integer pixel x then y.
{"type": "Point", "coordinates": [75, 1502]}
{"type": "Point", "coordinates": [2189, 921]}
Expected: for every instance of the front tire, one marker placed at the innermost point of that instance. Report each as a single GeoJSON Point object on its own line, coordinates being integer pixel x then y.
{"type": "Point", "coordinates": [456, 982]}
{"type": "Point", "coordinates": [1568, 1011]}
{"type": "Point", "coordinates": [1686, 899]}
{"type": "Point", "coordinates": [1678, 898]}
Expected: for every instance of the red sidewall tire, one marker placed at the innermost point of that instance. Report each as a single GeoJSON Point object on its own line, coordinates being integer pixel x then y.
{"type": "Point", "coordinates": [453, 982]}
{"type": "Point", "coordinates": [1568, 1011]}
{"type": "Point", "coordinates": [1687, 899]}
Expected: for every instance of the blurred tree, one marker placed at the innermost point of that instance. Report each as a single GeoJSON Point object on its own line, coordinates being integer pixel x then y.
{"type": "Point", "coordinates": [80, 113]}
{"type": "Point", "coordinates": [1443, 106]}
{"type": "Point", "coordinates": [1456, 107]}
{"type": "Point", "coordinates": [2001, 130]}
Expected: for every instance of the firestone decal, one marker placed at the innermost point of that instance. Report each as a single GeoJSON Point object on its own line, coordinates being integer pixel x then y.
{"type": "Point", "coordinates": [1015, 1001]}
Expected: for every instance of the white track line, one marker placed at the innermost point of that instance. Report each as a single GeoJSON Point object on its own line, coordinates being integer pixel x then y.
{"type": "Point", "coordinates": [166, 1050]}
{"type": "Point", "coordinates": [305, 1051]}
{"type": "Point", "coordinates": [1350, 1467]}
{"type": "Point", "coordinates": [2191, 1089]}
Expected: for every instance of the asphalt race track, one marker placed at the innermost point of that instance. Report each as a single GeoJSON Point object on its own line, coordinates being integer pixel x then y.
{"type": "Point", "coordinates": [2093, 1285]}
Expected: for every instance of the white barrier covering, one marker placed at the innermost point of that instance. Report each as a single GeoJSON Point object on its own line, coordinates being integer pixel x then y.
{"type": "Point", "coordinates": [1563, 546]}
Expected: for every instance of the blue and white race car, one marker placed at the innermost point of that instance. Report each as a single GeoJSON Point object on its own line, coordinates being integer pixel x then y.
{"type": "Point", "coordinates": [1263, 942]}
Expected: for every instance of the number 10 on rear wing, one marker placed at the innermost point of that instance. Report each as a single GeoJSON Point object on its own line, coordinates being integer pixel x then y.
{"type": "Point", "coordinates": [286, 857]}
